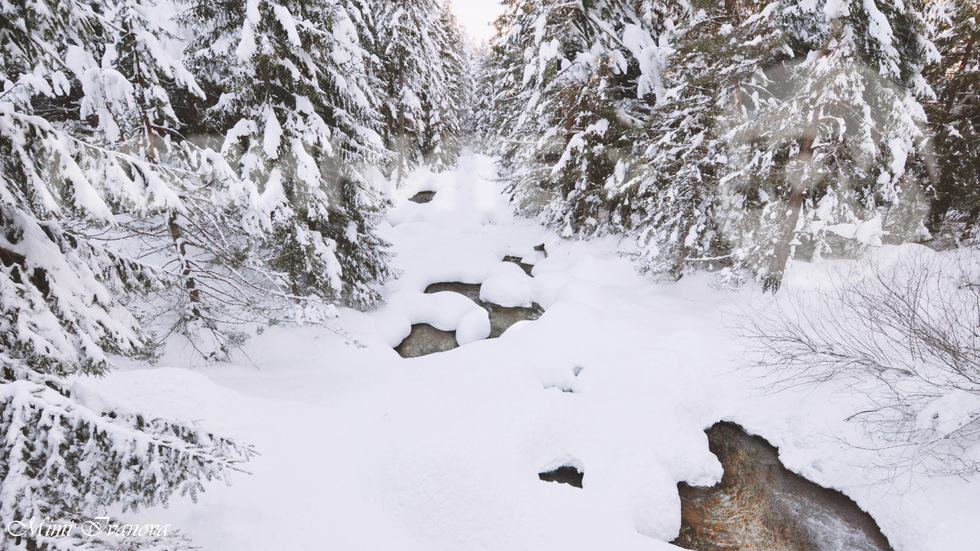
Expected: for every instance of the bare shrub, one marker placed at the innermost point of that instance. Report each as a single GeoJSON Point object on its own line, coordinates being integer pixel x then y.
{"type": "Point", "coordinates": [905, 334]}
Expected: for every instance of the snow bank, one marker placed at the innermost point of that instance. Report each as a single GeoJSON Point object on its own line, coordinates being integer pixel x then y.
{"type": "Point", "coordinates": [509, 286]}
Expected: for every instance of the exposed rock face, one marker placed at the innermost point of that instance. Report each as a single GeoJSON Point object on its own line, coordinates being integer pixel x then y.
{"type": "Point", "coordinates": [425, 340]}
{"type": "Point", "coordinates": [423, 197]}
{"type": "Point", "coordinates": [760, 505]}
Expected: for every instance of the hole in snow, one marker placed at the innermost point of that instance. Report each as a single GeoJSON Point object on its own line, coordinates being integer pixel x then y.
{"type": "Point", "coordinates": [760, 504]}
{"type": "Point", "coordinates": [423, 197]}
{"type": "Point", "coordinates": [564, 475]}
{"type": "Point", "coordinates": [424, 340]}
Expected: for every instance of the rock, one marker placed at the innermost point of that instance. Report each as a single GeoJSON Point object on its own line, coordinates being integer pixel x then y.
{"type": "Point", "coordinates": [759, 504]}
{"type": "Point", "coordinates": [424, 340]}
{"type": "Point", "coordinates": [508, 286]}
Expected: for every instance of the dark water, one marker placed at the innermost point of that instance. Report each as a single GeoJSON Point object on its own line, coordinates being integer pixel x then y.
{"type": "Point", "coordinates": [423, 197]}
{"type": "Point", "coordinates": [425, 339]}
{"type": "Point", "coordinates": [564, 475]}
{"type": "Point", "coordinates": [520, 262]}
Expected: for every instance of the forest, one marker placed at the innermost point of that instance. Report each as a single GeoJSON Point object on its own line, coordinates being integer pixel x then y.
{"type": "Point", "coordinates": [217, 177]}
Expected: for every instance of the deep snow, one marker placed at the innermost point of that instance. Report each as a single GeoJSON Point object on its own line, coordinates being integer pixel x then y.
{"type": "Point", "coordinates": [362, 449]}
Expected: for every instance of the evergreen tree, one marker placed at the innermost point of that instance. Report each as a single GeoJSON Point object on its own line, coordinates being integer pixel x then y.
{"type": "Point", "coordinates": [410, 70]}
{"type": "Point", "coordinates": [482, 115]}
{"type": "Point", "coordinates": [79, 112]}
{"type": "Point", "coordinates": [448, 99]}
{"type": "Point", "coordinates": [296, 113]}
{"type": "Point", "coordinates": [63, 461]}
{"type": "Point", "coordinates": [84, 117]}
{"type": "Point", "coordinates": [954, 116]}
{"type": "Point", "coordinates": [200, 302]}
{"type": "Point", "coordinates": [782, 125]}
{"type": "Point", "coordinates": [570, 81]}
{"type": "Point", "coordinates": [669, 200]}
{"type": "Point", "coordinates": [825, 144]}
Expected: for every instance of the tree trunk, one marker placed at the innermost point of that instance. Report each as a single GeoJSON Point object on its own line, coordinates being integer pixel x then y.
{"type": "Point", "coordinates": [402, 137]}
{"type": "Point", "coordinates": [794, 204]}
{"type": "Point", "coordinates": [180, 246]}
{"type": "Point", "coordinates": [794, 208]}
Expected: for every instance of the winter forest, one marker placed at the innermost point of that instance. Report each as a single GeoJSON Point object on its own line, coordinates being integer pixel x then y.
{"type": "Point", "coordinates": [631, 274]}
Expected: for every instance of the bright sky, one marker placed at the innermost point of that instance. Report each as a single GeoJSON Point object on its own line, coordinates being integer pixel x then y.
{"type": "Point", "coordinates": [477, 16]}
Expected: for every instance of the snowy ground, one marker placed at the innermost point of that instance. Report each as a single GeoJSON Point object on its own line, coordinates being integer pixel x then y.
{"type": "Point", "coordinates": [364, 450]}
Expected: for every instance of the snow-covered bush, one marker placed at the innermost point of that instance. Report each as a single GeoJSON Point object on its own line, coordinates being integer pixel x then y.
{"type": "Point", "coordinates": [907, 334]}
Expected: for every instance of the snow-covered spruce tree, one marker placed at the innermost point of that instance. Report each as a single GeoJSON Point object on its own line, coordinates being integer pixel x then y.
{"type": "Point", "coordinates": [481, 120]}
{"type": "Point", "coordinates": [825, 147]}
{"type": "Point", "coordinates": [448, 100]}
{"type": "Point", "coordinates": [669, 199]}
{"type": "Point", "coordinates": [87, 124]}
{"type": "Point", "coordinates": [408, 64]}
{"type": "Point", "coordinates": [500, 75]}
{"type": "Point", "coordinates": [296, 114]}
{"type": "Point", "coordinates": [570, 80]}
{"type": "Point", "coordinates": [80, 97]}
{"type": "Point", "coordinates": [127, 141]}
{"type": "Point", "coordinates": [784, 125]}
{"type": "Point", "coordinates": [198, 296]}
{"type": "Point", "coordinates": [954, 117]}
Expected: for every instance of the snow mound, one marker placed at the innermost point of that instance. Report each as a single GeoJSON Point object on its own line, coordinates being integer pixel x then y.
{"type": "Point", "coordinates": [474, 326]}
{"type": "Point", "coordinates": [444, 310]}
{"type": "Point", "coordinates": [508, 286]}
